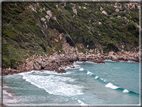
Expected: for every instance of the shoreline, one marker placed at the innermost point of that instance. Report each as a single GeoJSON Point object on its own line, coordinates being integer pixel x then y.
{"type": "Point", "coordinates": [8, 97]}
{"type": "Point", "coordinates": [11, 100]}
{"type": "Point", "coordinates": [56, 61]}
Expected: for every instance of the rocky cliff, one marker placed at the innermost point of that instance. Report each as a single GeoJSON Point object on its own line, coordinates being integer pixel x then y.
{"type": "Point", "coordinates": [50, 30]}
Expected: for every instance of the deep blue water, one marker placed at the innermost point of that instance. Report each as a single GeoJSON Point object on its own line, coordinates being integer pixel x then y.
{"type": "Point", "coordinates": [88, 83]}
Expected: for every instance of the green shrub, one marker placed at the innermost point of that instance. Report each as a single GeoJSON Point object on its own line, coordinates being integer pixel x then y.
{"type": "Point", "coordinates": [131, 26]}
{"type": "Point", "coordinates": [68, 8]}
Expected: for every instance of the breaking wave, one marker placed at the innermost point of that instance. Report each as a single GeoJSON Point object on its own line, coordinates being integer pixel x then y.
{"type": "Point", "coordinates": [53, 84]}
{"type": "Point", "coordinates": [110, 85]}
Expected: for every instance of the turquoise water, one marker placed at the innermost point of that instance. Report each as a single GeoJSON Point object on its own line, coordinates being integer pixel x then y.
{"type": "Point", "coordinates": [88, 83]}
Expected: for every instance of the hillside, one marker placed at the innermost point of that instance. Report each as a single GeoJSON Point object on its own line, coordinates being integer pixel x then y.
{"type": "Point", "coordinates": [46, 28]}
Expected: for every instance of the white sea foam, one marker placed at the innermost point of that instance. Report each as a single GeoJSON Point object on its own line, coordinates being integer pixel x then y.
{"type": "Point", "coordinates": [67, 68]}
{"type": "Point", "coordinates": [50, 72]}
{"type": "Point", "coordinates": [45, 72]}
{"type": "Point", "coordinates": [128, 61]}
{"type": "Point", "coordinates": [8, 98]}
{"type": "Point", "coordinates": [81, 69]}
{"type": "Point", "coordinates": [123, 61]}
{"type": "Point", "coordinates": [96, 77]}
{"type": "Point", "coordinates": [53, 72]}
{"type": "Point", "coordinates": [89, 73]}
{"type": "Point", "coordinates": [104, 80]}
{"type": "Point", "coordinates": [9, 101]}
{"type": "Point", "coordinates": [5, 86]}
{"type": "Point", "coordinates": [125, 91]}
{"type": "Point", "coordinates": [54, 84]}
{"type": "Point", "coordinates": [72, 67]}
{"type": "Point", "coordinates": [78, 62]}
{"type": "Point", "coordinates": [110, 85]}
{"type": "Point", "coordinates": [75, 65]}
{"type": "Point", "coordinates": [33, 71]}
{"type": "Point", "coordinates": [91, 62]}
{"type": "Point", "coordinates": [108, 60]}
{"type": "Point", "coordinates": [5, 92]}
{"type": "Point", "coordinates": [81, 102]}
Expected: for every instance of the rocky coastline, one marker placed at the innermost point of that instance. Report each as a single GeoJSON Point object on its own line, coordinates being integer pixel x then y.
{"type": "Point", "coordinates": [55, 62]}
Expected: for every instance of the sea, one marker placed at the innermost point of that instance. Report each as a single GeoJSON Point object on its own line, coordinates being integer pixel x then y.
{"type": "Point", "coordinates": [87, 84]}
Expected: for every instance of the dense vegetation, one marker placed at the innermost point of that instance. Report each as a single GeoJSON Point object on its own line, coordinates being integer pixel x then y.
{"type": "Point", "coordinates": [28, 29]}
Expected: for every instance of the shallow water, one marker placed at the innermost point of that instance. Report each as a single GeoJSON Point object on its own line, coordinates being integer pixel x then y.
{"type": "Point", "coordinates": [88, 83]}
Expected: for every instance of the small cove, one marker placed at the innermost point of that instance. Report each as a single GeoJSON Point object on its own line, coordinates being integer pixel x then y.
{"type": "Point", "coordinates": [88, 83]}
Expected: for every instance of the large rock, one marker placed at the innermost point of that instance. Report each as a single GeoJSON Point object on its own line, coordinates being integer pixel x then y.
{"type": "Point", "coordinates": [36, 66]}
{"type": "Point", "coordinates": [50, 68]}
{"type": "Point", "coordinates": [29, 65]}
{"type": "Point", "coordinates": [110, 53]}
{"type": "Point", "coordinates": [60, 71]}
{"type": "Point", "coordinates": [82, 59]}
{"type": "Point", "coordinates": [114, 58]}
{"type": "Point", "coordinates": [44, 63]}
{"type": "Point", "coordinates": [73, 58]}
{"type": "Point", "coordinates": [10, 71]}
{"type": "Point", "coordinates": [104, 12]}
{"type": "Point", "coordinates": [124, 58]}
{"type": "Point", "coordinates": [90, 57]}
{"type": "Point", "coordinates": [97, 60]}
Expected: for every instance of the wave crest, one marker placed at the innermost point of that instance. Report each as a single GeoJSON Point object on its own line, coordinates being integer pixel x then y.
{"type": "Point", "coordinates": [54, 84]}
{"type": "Point", "coordinates": [110, 85]}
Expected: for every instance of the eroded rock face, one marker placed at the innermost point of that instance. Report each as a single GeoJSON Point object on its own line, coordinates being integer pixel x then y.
{"type": "Point", "coordinates": [54, 62]}
{"type": "Point", "coordinates": [37, 66]}
{"type": "Point", "coordinates": [113, 58]}
{"type": "Point", "coordinates": [97, 61]}
{"type": "Point", "coordinates": [124, 55]}
{"type": "Point", "coordinates": [61, 71]}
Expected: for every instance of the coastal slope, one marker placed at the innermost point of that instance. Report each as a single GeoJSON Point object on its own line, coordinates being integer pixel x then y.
{"type": "Point", "coordinates": [48, 35]}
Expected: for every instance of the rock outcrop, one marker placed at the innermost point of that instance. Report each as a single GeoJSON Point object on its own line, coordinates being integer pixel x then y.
{"type": "Point", "coordinates": [55, 62]}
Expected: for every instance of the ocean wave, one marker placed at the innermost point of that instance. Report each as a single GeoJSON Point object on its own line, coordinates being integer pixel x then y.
{"type": "Point", "coordinates": [89, 73]}
{"type": "Point", "coordinates": [78, 62]}
{"type": "Point", "coordinates": [5, 92]}
{"type": "Point", "coordinates": [96, 77]}
{"type": "Point", "coordinates": [91, 62]}
{"type": "Point", "coordinates": [74, 66]}
{"type": "Point", "coordinates": [110, 61]}
{"type": "Point", "coordinates": [129, 61]}
{"type": "Point", "coordinates": [43, 72]}
{"type": "Point", "coordinates": [81, 69]}
{"type": "Point", "coordinates": [8, 98]}
{"type": "Point", "coordinates": [5, 86]}
{"type": "Point", "coordinates": [54, 84]}
{"type": "Point", "coordinates": [125, 91]}
{"type": "Point", "coordinates": [53, 72]}
{"type": "Point", "coordinates": [81, 102]}
{"type": "Point", "coordinates": [122, 61]}
{"type": "Point", "coordinates": [109, 84]}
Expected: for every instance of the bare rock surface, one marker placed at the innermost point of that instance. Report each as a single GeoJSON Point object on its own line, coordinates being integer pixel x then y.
{"type": "Point", "coordinates": [55, 61]}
